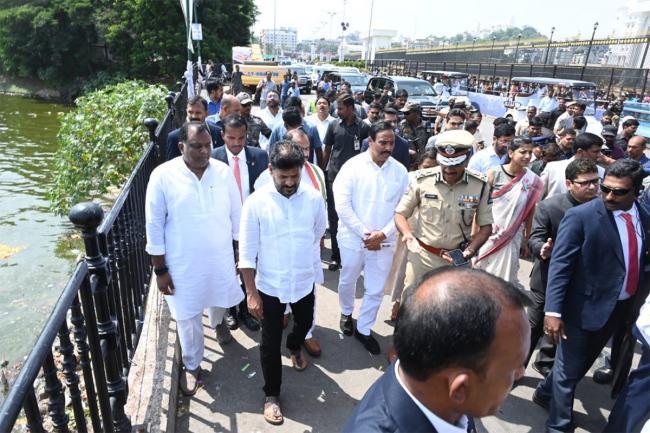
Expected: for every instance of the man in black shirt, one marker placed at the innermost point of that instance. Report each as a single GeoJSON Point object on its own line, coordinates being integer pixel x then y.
{"type": "Point", "coordinates": [342, 141]}
{"type": "Point", "coordinates": [556, 113]}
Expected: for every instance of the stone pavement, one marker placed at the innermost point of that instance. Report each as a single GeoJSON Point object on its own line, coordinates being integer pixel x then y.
{"type": "Point", "coordinates": [321, 398]}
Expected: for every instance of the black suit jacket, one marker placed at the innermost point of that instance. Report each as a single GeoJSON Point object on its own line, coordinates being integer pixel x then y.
{"type": "Point", "coordinates": [257, 161]}
{"type": "Point", "coordinates": [173, 138]}
{"type": "Point", "coordinates": [386, 407]}
{"type": "Point", "coordinates": [587, 267]}
{"type": "Point", "coordinates": [546, 222]}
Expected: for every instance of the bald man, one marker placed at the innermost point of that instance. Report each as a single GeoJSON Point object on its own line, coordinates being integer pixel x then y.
{"type": "Point", "coordinates": [636, 151]}
{"type": "Point", "coordinates": [229, 105]}
{"type": "Point", "coordinates": [449, 368]}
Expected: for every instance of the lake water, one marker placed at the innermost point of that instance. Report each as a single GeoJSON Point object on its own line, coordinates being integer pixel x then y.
{"type": "Point", "coordinates": [35, 255]}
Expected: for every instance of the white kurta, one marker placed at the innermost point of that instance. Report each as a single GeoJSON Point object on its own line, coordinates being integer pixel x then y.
{"type": "Point", "coordinates": [193, 223]}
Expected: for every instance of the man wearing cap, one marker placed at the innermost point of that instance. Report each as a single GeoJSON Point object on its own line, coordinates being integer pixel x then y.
{"type": "Point", "coordinates": [413, 129]}
{"type": "Point", "coordinates": [611, 150]}
{"type": "Point", "coordinates": [447, 199]}
{"type": "Point", "coordinates": [256, 125]}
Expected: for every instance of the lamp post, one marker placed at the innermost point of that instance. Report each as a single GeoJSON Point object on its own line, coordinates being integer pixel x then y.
{"type": "Point", "coordinates": [456, 54]}
{"type": "Point", "coordinates": [369, 44]}
{"type": "Point", "coordinates": [473, 43]}
{"type": "Point", "coordinates": [548, 48]}
{"type": "Point", "coordinates": [591, 42]}
{"type": "Point", "coordinates": [517, 48]}
{"type": "Point", "coordinates": [494, 39]}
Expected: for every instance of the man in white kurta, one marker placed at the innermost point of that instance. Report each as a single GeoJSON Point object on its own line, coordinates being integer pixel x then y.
{"type": "Point", "coordinates": [192, 210]}
{"type": "Point", "coordinates": [366, 192]}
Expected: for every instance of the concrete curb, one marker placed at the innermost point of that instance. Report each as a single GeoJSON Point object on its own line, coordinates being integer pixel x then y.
{"type": "Point", "coordinates": [151, 403]}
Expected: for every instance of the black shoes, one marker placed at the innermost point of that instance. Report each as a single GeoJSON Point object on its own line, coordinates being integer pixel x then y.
{"type": "Point", "coordinates": [368, 342]}
{"type": "Point", "coordinates": [230, 319]}
{"type": "Point", "coordinates": [248, 320]}
{"type": "Point", "coordinates": [334, 265]}
{"type": "Point", "coordinates": [541, 401]}
{"type": "Point", "coordinates": [604, 375]}
{"type": "Point", "coordinates": [544, 370]}
{"type": "Point", "coordinates": [347, 327]}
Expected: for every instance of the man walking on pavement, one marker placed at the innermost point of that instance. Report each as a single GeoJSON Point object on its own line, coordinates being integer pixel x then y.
{"type": "Point", "coordinates": [256, 125]}
{"type": "Point", "coordinates": [246, 163]}
{"type": "Point", "coordinates": [342, 141]}
{"type": "Point", "coordinates": [367, 190]}
{"type": "Point", "coordinates": [197, 111]}
{"type": "Point", "coordinates": [265, 86]}
{"type": "Point", "coordinates": [292, 216]}
{"type": "Point", "coordinates": [192, 211]}
{"type": "Point", "coordinates": [596, 269]}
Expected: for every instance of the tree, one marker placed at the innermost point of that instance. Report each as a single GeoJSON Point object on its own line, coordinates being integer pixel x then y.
{"type": "Point", "coordinates": [50, 40]}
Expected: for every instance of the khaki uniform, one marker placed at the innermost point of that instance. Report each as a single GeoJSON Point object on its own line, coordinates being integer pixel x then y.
{"type": "Point", "coordinates": [445, 215]}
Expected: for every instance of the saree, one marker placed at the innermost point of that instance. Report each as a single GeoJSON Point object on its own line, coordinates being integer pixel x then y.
{"type": "Point", "coordinates": [512, 204]}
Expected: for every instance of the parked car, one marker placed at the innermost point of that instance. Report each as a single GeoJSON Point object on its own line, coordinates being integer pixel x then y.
{"type": "Point", "coordinates": [420, 91]}
{"type": "Point", "coordinates": [357, 81]}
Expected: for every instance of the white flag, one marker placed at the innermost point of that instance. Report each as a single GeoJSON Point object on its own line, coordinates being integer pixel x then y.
{"type": "Point", "coordinates": [189, 76]}
{"type": "Point", "coordinates": [188, 13]}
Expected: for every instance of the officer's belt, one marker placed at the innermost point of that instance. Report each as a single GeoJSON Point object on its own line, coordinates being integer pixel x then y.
{"type": "Point", "coordinates": [432, 250]}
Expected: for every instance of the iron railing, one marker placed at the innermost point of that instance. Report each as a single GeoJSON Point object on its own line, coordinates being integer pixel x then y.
{"type": "Point", "coordinates": [102, 304]}
{"type": "Point", "coordinates": [610, 80]}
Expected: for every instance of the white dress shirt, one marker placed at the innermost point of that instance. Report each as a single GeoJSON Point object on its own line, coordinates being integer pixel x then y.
{"type": "Point", "coordinates": [280, 238]}
{"type": "Point", "coordinates": [366, 196]}
{"type": "Point", "coordinates": [486, 159]}
{"type": "Point", "coordinates": [554, 177]}
{"type": "Point", "coordinates": [622, 233]}
{"type": "Point", "coordinates": [192, 222]}
{"type": "Point", "coordinates": [321, 125]}
{"type": "Point", "coordinates": [243, 171]}
{"type": "Point", "coordinates": [265, 178]}
{"type": "Point", "coordinates": [271, 122]}
{"type": "Point", "coordinates": [438, 423]}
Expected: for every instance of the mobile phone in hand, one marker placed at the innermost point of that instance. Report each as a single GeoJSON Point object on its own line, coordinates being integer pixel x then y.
{"type": "Point", "coordinates": [458, 257]}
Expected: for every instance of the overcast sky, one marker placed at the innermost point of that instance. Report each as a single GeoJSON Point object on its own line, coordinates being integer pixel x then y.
{"type": "Point", "coordinates": [419, 18]}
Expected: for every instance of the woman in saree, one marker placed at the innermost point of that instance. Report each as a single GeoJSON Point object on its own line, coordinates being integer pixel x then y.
{"type": "Point", "coordinates": [515, 191]}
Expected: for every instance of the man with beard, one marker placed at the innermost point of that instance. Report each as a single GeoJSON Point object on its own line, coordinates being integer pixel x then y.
{"type": "Point", "coordinates": [197, 111]}
{"type": "Point", "coordinates": [448, 200]}
{"type": "Point", "coordinates": [281, 227]}
{"type": "Point", "coordinates": [555, 114]}
{"type": "Point", "coordinates": [401, 151]}
{"type": "Point", "coordinates": [496, 155]}
{"type": "Point", "coordinates": [413, 129]}
{"type": "Point", "coordinates": [271, 115]}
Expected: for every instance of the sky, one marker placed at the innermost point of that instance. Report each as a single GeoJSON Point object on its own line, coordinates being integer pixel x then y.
{"type": "Point", "coordinates": [420, 18]}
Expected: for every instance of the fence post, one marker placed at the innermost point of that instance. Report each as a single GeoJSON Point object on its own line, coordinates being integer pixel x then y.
{"type": "Point", "coordinates": [645, 82]}
{"type": "Point", "coordinates": [151, 125]}
{"type": "Point", "coordinates": [87, 217]}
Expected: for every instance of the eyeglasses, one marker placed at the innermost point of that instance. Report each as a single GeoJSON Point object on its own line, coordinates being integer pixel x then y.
{"type": "Point", "coordinates": [595, 181]}
{"type": "Point", "coordinates": [617, 192]}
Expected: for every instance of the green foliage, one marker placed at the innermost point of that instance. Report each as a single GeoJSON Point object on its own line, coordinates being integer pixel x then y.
{"type": "Point", "coordinates": [510, 33]}
{"type": "Point", "coordinates": [102, 139]}
{"type": "Point", "coordinates": [351, 63]}
{"type": "Point", "coordinates": [47, 40]}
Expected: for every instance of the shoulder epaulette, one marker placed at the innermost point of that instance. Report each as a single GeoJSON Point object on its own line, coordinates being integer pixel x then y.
{"type": "Point", "coordinates": [425, 172]}
{"type": "Point", "coordinates": [477, 174]}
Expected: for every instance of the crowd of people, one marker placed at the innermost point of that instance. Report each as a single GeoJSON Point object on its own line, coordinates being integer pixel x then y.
{"type": "Point", "coordinates": [236, 221]}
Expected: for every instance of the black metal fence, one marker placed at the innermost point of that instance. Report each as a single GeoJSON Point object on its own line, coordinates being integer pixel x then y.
{"type": "Point", "coordinates": [610, 81]}
{"type": "Point", "coordinates": [102, 304]}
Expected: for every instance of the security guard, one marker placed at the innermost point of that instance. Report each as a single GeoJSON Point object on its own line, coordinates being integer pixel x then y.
{"type": "Point", "coordinates": [447, 199]}
{"type": "Point", "coordinates": [256, 125]}
{"type": "Point", "coordinates": [413, 129]}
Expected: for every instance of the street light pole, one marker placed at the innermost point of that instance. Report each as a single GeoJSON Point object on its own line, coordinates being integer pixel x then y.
{"type": "Point", "coordinates": [275, 50]}
{"type": "Point", "coordinates": [494, 39]}
{"type": "Point", "coordinates": [548, 48]}
{"type": "Point", "coordinates": [473, 43]}
{"type": "Point", "coordinates": [591, 42]}
{"type": "Point", "coordinates": [456, 54]}
{"type": "Point", "coordinates": [517, 48]}
{"type": "Point", "coordinates": [369, 45]}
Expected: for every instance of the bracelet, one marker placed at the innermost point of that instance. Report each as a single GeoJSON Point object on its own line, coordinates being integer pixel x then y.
{"type": "Point", "coordinates": [161, 271]}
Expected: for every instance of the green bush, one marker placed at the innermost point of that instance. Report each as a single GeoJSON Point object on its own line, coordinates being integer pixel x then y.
{"type": "Point", "coordinates": [101, 141]}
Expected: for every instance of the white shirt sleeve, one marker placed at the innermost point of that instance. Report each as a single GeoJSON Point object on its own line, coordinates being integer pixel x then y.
{"type": "Point", "coordinates": [343, 190]}
{"type": "Point", "coordinates": [155, 215]}
{"type": "Point", "coordinates": [249, 236]}
{"type": "Point", "coordinates": [390, 229]}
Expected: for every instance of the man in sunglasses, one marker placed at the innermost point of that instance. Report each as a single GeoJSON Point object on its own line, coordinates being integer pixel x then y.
{"type": "Point", "coordinates": [596, 285]}
{"type": "Point", "coordinates": [582, 183]}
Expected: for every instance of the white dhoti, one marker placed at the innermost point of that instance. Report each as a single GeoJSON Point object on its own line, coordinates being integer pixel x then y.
{"type": "Point", "coordinates": [190, 335]}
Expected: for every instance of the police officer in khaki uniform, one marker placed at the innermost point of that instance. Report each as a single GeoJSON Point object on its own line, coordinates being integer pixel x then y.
{"type": "Point", "coordinates": [447, 199]}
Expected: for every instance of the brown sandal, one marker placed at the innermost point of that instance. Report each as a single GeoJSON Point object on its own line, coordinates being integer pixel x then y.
{"type": "Point", "coordinates": [272, 411]}
{"type": "Point", "coordinates": [395, 310]}
{"type": "Point", "coordinates": [299, 360]}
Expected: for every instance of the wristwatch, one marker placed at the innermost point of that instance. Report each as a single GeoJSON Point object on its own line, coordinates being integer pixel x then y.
{"type": "Point", "coordinates": [161, 271]}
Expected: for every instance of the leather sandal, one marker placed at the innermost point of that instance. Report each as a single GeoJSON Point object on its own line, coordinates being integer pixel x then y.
{"type": "Point", "coordinates": [299, 360]}
{"type": "Point", "coordinates": [272, 411]}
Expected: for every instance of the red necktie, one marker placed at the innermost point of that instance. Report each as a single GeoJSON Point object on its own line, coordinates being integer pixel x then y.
{"type": "Point", "coordinates": [633, 250]}
{"type": "Point", "coordinates": [238, 177]}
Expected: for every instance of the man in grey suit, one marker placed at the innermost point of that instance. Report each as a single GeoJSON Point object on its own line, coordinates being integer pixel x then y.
{"type": "Point", "coordinates": [449, 368]}
{"type": "Point", "coordinates": [582, 184]}
{"type": "Point", "coordinates": [247, 163]}
{"type": "Point", "coordinates": [595, 280]}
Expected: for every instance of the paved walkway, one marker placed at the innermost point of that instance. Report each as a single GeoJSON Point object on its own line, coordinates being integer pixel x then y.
{"type": "Point", "coordinates": [321, 398]}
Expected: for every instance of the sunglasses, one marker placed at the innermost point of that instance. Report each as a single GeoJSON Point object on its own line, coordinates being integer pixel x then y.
{"type": "Point", "coordinates": [587, 182]}
{"type": "Point", "coordinates": [616, 192]}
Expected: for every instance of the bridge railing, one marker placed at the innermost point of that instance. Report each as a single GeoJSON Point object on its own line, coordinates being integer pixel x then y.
{"type": "Point", "coordinates": [97, 320]}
